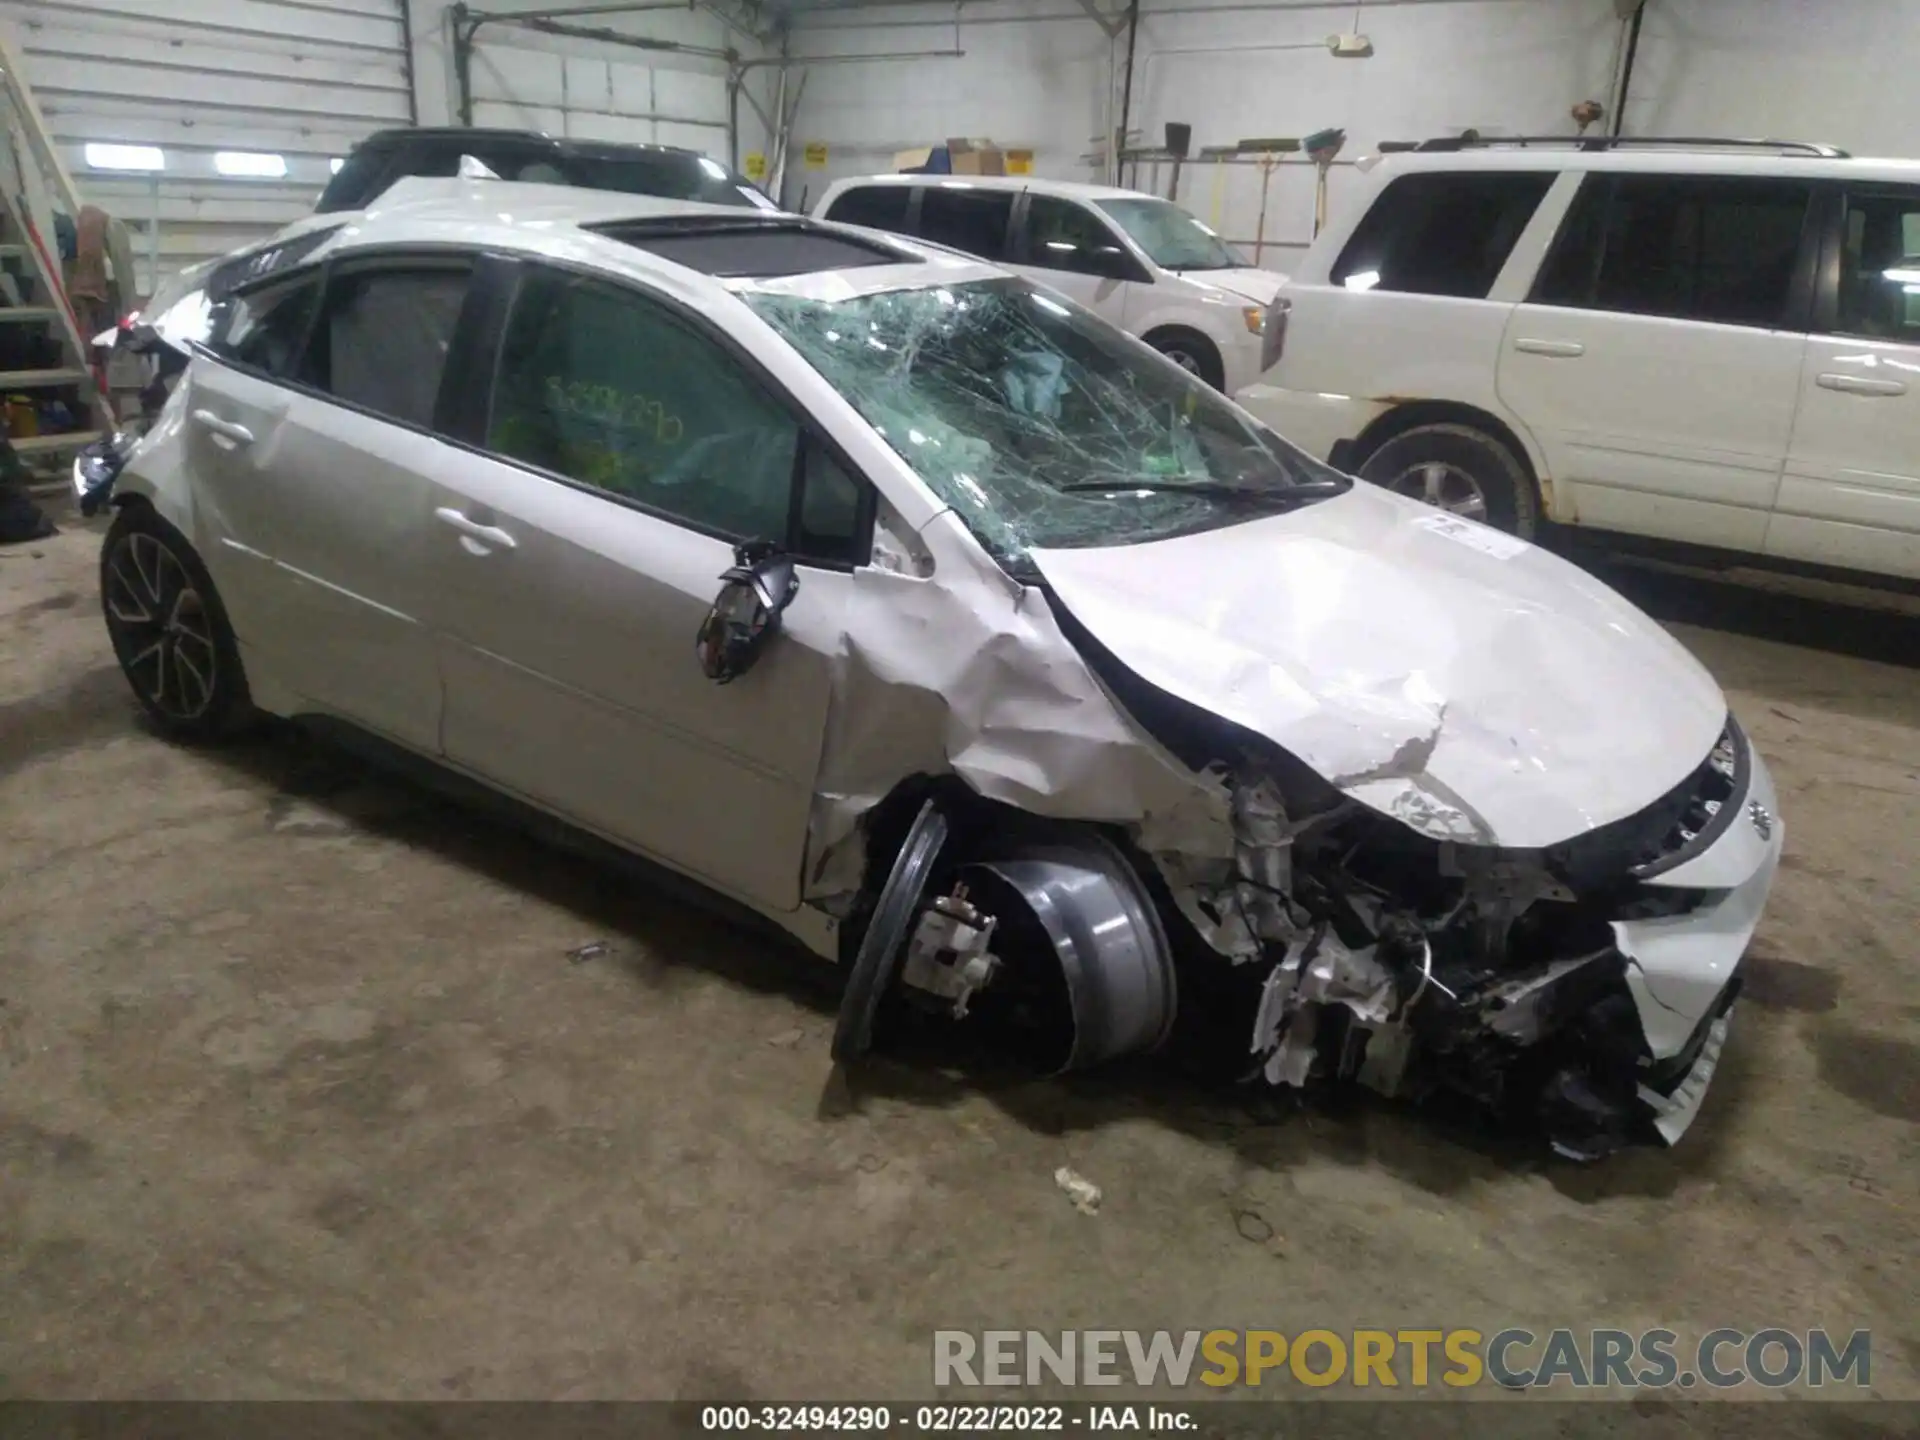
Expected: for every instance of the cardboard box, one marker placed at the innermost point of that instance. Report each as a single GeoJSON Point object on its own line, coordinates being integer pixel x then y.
{"type": "Point", "coordinates": [922, 160]}
{"type": "Point", "coordinates": [976, 157]}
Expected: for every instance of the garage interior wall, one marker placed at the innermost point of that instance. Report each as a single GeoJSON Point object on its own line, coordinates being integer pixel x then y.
{"type": "Point", "coordinates": [199, 78]}
{"type": "Point", "coordinates": [1836, 71]}
{"type": "Point", "coordinates": [588, 89]}
{"type": "Point", "coordinates": [1043, 76]}
{"type": "Point", "coordinates": [305, 79]}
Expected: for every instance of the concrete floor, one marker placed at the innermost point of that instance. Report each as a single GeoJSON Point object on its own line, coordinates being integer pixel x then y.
{"type": "Point", "coordinates": [302, 1096]}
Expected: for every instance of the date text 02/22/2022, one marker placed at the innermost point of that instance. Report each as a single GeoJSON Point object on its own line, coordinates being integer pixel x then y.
{"type": "Point", "coordinates": [944, 1418]}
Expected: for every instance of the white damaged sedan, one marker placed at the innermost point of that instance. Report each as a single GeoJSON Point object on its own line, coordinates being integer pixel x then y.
{"type": "Point", "coordinates": [904, 604]}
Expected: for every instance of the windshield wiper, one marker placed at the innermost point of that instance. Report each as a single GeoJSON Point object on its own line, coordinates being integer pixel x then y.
{"type": "Point", "coordinates": [1214, 489]}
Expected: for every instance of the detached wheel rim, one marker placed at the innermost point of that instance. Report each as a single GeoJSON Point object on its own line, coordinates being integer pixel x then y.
{"type": "Point", "coordinates": [161, 628]}
{"type": "Point", "coordinates": [1443, 486]}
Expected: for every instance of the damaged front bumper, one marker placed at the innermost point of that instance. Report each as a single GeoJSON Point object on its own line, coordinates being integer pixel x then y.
{"type": "Point", "coordinates": [1595, 1032]}
{"type": "Point", "coordinates": [1682, 970]}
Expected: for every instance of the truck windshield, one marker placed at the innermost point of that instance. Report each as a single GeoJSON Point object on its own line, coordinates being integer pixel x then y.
{"type": "Point", "coordinates": [1041, 425]}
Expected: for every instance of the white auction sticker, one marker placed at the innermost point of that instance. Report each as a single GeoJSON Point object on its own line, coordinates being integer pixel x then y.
{"type": "Point", "coordinates": [1473, 534]}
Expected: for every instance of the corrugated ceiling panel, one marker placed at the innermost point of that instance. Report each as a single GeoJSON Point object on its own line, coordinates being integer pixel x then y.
{"type": "Point", "coordinates": [301, 80]}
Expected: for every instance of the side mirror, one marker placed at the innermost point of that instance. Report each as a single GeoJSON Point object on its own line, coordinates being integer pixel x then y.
{"type": "Point", "coordinates": [1112, 262]}
{"type": "Point", "coordinates": [746, 614]}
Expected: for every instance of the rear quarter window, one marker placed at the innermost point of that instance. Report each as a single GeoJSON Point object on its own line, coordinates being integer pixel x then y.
{"type": "Point", "coordinates": [1441, 232]}
{"type": "Point", "coordinates": [879, 207]}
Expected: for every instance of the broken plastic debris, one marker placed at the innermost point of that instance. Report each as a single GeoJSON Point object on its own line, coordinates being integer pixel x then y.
{"type": "Point", "coordinates": [592, 950]}
{"type": "Point", "coordinates": [1082, 1191]}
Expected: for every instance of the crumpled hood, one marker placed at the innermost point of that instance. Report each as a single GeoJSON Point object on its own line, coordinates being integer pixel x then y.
{"type": "Point", "coordinates": [1470, 684]}
{"type": "Point", "coordinates": [1259, 286]}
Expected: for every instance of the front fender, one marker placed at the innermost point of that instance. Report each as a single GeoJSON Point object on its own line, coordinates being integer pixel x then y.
{"type": "Point", "coordinates": [157, 471]}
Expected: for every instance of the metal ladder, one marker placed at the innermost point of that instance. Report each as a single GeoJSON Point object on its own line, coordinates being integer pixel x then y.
{"type": "Point", "coordinates": [44, 356]}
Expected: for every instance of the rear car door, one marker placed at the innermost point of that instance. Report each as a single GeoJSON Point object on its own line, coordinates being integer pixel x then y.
{"type": "Point", "coordinates": [1064, 244]}
{"type": "Point", "coordinates": [1851, 492]}
{"type": "Point", "coordinates": [319, 488]}
{"type": "Point", "coordinates": [627, 449]}
{"type": "Point", "coordinates": [1657, 360]}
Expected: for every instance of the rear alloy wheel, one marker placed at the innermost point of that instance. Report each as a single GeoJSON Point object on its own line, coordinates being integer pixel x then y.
{"type": "Point", "coordinates": [1461, 470]}
{"type": "Point", "coordinates": [169, 630]}
{"type": "Point", "coordinates": [1192, 353]}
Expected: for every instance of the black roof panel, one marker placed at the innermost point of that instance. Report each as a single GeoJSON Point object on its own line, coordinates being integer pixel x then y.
{"type": "Point", "coordinates": [755, 249]}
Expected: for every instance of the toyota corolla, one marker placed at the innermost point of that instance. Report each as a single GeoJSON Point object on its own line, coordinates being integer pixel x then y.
{"type": "Point", "coordinates": [899, 601]}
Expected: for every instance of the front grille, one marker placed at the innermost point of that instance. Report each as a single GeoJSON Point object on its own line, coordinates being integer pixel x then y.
{"type": "Point", "coordinates": [1706, 804]}
{"type": "Point", "coordinates": [1667, 833]}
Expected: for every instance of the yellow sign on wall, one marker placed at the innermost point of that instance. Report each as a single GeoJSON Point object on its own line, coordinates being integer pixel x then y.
{"type": "Point", "coordinates": [1019, 162]}
{"type": "Point", "coordinates": [816, 155]}
{"type": "Point", "coordinates": [756, 166]}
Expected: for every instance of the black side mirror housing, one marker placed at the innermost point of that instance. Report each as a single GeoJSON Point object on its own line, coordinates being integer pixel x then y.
{"type": "Point", "coordinates": [746, 614]}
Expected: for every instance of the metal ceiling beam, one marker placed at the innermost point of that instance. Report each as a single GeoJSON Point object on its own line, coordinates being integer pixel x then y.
{"type": "Point", "coordinates": [569, 12]}
{"type": "Point", "coordinates": [1112, 24]}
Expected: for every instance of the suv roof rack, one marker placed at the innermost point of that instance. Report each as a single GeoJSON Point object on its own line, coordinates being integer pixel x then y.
{"type": "Point", "coordinates": [1445, 143]}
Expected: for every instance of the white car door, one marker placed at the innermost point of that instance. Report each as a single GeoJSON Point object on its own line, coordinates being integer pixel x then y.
{"type": "Point", "coordinates": [575, 556]}
{"type": "Point", "coordinates": [1068, 246]}
{"type": "Point", "coordinates": [1851, 492]}
{"type": "Point", "coordinates": [313, 485]}
{"type": "Point", "coordinates": [1658, 358]}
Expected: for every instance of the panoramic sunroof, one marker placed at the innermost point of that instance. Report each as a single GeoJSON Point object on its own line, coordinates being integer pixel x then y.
{"type": "Point", "coordinates": [753, 249]}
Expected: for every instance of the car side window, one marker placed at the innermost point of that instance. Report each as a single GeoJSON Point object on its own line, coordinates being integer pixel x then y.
{"type": "Point", "coordinates": [830, 508]}
{"type": "Point", "coordinates": [1688, 247]}
{"type": "Point", "coordinates": [1062, 235]}
{"type": "Point", "coordinates": [605, 387]}
{"type": "Point", "coordinates": [879, 207]}
{"type": "Point", "coordinates": [263, 329]}
{"type": "Point", "coordinates": [967, 219]}
{"type": "Point", "coordinates": [382, 339]}
{"type": "Point", "coordinates": [1879, 293]}
{"type": "Point", "coordinates": [1441, 233]}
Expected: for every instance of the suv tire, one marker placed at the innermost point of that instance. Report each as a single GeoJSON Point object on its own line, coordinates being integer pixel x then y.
{"type": "Point", "coordinates": [1193, 353]}
{"type": "Point", "coordinates": [1460, 469]}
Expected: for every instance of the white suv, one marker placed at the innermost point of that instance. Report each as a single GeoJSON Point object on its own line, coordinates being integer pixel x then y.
{"type": "Point", "coordinates": [1702, 342]}
{"type": "Point", "coordinates": [1138, 262]}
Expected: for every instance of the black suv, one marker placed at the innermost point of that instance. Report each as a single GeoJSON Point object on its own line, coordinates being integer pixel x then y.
{"type": "Point", "coordinates": [390, 155]}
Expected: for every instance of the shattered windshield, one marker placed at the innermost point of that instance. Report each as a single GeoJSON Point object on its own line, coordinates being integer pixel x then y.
{"type": "Point", "coordinates": [1041, 425]}
{"type": "Point", "coordinates": [1174, 239]}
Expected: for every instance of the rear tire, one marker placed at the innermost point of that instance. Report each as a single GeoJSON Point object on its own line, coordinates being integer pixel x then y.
{"type": "Point", "coordinates": [169, 630]}
{"type": "Point", "coordinates": [1459, 469]}
{"type": "Point", "coordinates": [1193, 353]}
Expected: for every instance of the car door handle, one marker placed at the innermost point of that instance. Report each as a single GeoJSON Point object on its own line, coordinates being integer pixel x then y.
{"type": "Point", "coordinates": [225, 429]}
{"type": "Point", "coordinates": [1861, 385]}
{"type": "Point", "coordinates": [1552, 349]}
{"type": "Point", "coordinates": [485, 535]}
